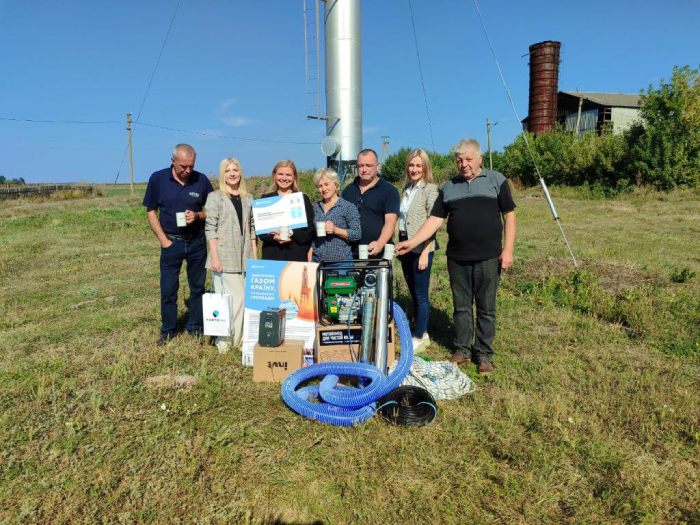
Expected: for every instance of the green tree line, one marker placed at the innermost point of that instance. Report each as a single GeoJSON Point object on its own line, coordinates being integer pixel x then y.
{"type": "Point", "coordinates": [661, 150]}
{"type": "Point", "coordinates": [4, 180]}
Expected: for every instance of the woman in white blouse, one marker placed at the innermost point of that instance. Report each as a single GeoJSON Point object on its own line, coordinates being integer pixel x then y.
{"type": "Point", "coordinates": [418, 196]}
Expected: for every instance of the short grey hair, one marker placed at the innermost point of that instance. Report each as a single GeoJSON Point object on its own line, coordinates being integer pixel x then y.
{"type": "Point", "coordinates": [186, 149]}
{"type": "Point", "coordinates": [330, 175]}
{"type": "Point", "coordinates": [465, 144]}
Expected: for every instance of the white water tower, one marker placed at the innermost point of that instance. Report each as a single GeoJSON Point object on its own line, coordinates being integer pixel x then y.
{"type": "Point", "coordinates": [343, 75]}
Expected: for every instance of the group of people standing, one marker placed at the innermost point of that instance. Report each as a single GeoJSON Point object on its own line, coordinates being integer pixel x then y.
{"type": "Point", "coordinates": [186, 214]}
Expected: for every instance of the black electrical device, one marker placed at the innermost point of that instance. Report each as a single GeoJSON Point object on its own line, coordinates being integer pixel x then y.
{"type": "Point", "coordinates": [271, 327]}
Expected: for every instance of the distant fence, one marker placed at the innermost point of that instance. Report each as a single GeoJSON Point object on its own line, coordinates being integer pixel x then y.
{"type": "Point", "coordinates": [16, 192]}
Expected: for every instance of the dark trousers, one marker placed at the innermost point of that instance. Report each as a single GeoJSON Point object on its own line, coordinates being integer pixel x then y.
{"type": "Point", "coordinates": [171, 258]}
{"type": "Point", "coordinates": [418, 282]}
{"type": "Point", "coordinates": [474, 284]}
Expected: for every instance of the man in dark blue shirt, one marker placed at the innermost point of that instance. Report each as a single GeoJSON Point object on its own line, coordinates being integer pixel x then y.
{"type": "Point", "coordinates": [378, 202]}
{"type": "Point", "coordinates": [179, 190]}
{"type": "Point", "coordinates": [481, 213]}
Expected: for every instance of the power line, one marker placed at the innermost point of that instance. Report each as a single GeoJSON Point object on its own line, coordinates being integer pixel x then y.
{"type": "Point", "coordinates": [38, 121]}
{"type": "Point", "coordinates": [422, 83]}
{"type": "Point", "coordinates": [150, 82]}
{"type": "Point", "coordinates": [524, 135]}
{"type": "Point", "coordinates": [160, 126]}
{"type": "Point", "coordinates": [219, 136]}
{"type": "Point", "coordinates": [160, 55]}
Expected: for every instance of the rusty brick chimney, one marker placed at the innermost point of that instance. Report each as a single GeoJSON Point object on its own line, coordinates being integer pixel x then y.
{"type": "Point", "coordinates": [544, 85]}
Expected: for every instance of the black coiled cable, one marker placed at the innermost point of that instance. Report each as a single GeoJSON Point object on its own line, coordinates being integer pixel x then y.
{"type": "Point", "coordinates": [409, 406]}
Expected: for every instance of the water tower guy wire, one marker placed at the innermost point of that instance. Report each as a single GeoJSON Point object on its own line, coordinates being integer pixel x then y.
{"type": "Point", "coordinates": [524, 135]}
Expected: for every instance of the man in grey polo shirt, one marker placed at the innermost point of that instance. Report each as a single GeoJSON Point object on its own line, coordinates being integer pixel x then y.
{"type": "Point", "coordinates": [481, 239]}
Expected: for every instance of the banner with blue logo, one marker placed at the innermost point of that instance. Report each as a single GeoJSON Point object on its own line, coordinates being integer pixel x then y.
{"type": "Point", "coordinates": [279, 284]}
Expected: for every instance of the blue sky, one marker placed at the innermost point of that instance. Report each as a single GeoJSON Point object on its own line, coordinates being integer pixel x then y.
{"type": "Point", "coordinates": [236, 68]}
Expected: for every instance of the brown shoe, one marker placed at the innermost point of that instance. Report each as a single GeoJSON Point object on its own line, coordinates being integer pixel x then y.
{"type": "Point", "coordinates": [459, 358]}
{"type": "Point", "coordinates": [485, 367]}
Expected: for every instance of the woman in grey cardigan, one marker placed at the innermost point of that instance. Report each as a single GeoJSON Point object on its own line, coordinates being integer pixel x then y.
{"type": "Point", "coordinates": [231, 237]}
{"type": "Point", "coordinates": [419, 195]}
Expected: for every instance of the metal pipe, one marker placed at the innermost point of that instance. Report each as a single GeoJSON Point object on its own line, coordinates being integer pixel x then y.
{"type": "Point", "coordinates": [343, 78]}
{"type": "Point", "coordinates": [380, 348]}
{"type": "Point", "coordinates": [367, 327]}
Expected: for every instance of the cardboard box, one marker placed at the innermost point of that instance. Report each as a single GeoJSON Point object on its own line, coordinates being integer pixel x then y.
{"type": "Point", "coordinates": [333, 343]}
{"type": "Point", "coordinates": [275, 364]}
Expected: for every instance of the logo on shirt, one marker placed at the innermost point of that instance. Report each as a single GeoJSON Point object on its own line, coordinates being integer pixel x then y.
{"type": "Point", "coordinates": [194, 194]}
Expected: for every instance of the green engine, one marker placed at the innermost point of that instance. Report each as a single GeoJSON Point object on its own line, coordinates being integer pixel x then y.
{"type": "Point", "coordinates": [341, 302]}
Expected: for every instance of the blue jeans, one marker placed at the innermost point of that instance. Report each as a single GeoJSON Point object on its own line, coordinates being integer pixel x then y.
{"type": "Point", "coordinates": [195, 253]}
{"type": "Point", "coordinates": [418, 282]}
{"type": "Point", "coordinates": [474, 284]}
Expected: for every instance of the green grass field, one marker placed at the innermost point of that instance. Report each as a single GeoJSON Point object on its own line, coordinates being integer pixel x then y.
{"type": "Point", "coordinates": [592, 415]}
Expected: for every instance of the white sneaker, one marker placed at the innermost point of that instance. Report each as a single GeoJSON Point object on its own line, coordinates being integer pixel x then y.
{"type": "Point", "coordinates": [426, 339]}
{"type": "Point", "coordinates": [222, 345]}
{"type": "Point", "coordinates": [418, 345]}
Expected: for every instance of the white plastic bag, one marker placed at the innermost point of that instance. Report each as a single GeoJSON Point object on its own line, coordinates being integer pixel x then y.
{"type": "Point", "coordinates": [217, 309]}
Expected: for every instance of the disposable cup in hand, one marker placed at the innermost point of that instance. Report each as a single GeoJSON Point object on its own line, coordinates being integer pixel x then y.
{"type": "Point", "coordinates": [180, 218]}
{"type": "Point", "coordinates": [284, 233]}
{"type": "Point", "coordinates": [363, 251]}
{"type": "Point", "coordinates": [388, 252]}
{"type": "Point", "coordinates": [320, 228]}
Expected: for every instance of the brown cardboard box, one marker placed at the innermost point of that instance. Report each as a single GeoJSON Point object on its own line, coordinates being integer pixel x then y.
{"type": "Point", "coordinates": [275, 364]}
{"type": "Point", "coordinates": [334, 344]}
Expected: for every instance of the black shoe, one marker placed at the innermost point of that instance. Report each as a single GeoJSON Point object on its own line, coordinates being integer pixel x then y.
{"type": "Point", "coordinates": [163, 339]}
{"type": "Point", "coordinates": [198, 335]}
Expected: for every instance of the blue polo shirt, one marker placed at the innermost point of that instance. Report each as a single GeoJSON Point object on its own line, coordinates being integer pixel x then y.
{"type": "Point", "coordinates": [169, 197]}
{"type": "Point", "coordinates": [374, 203]}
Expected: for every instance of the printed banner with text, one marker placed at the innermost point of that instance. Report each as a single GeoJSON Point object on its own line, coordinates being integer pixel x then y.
{"type": "Point", "coordinates": [279, 284]}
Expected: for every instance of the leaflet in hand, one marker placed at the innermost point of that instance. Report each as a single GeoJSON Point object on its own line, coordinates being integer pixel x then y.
{"type": "Point", "coordinates": [281, 210]}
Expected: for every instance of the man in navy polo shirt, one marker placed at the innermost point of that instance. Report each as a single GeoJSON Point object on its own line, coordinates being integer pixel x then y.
{"type": "Point", "coordinates": [378, 202]}
{"type": "Point", "coordinates": [481, 214]}
{"type": "Point", "coordinates": [179, 189]}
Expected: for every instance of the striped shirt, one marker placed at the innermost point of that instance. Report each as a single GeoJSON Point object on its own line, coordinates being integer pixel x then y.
{"type": "Point", "coordinates": [331, 247]}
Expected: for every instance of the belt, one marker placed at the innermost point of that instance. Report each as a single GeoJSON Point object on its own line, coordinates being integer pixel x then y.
{"type": "Point", "coordinates": [184, 238]}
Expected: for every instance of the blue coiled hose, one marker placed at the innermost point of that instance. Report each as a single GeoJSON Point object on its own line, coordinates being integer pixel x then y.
{"type": "Point", "coordinates": [344, 406]}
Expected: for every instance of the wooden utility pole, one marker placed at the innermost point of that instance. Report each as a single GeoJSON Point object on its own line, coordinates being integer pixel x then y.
{"type": "Point", "coordinates": [578, 117]}
{"type": "Point", "coordinates": [488, 138]}
{"type": "Point", "coordinates": [385, 147]}
{"type": "Point", "coordinates": [131, 153]}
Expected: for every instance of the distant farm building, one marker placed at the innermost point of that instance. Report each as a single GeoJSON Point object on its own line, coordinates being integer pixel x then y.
{"type": "Point", "coordinates": [549, 107]}
{"type": "Point", "coordinates": [597, 111]}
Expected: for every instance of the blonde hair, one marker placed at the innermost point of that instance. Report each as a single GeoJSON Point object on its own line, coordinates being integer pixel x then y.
{"type": "Point", "coordinates": [222, 175]}
{"type": "Point", "coordinates": [283, 164]}
{"type": "Point", "coordinates": [330, 175]}
{"type": "Point", "coordinates": [427, 167]}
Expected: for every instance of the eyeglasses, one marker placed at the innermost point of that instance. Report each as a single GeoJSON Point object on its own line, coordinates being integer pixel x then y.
{"type": "Point", "coordinates": [359, 202]}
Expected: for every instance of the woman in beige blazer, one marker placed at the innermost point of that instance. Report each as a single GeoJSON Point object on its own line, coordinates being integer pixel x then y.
{"type": "Point", "coordinates": [231, 237]}
{"type": "Point", "coordinates": [417, 199]}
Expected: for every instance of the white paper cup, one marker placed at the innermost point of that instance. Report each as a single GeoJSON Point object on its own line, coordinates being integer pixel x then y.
{"type": "Point", "coordinates": [389, 252]}
{"type": "Point", "coordinates": [320, 228]}
{"type": "Point", "coordinates": [284, 233]}
{"type": "Point", "coordinates": [180, 218]}
{"type": "Point", "coordinates": [363, 251]}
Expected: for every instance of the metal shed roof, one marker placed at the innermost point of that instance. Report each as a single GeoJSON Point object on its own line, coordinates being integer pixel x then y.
{"type": "Point", "coordinates": [618, 100]}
